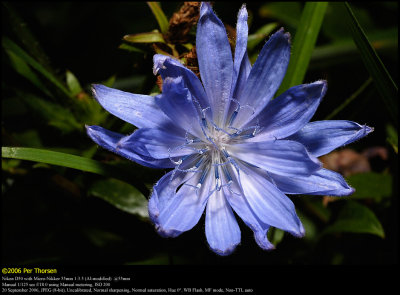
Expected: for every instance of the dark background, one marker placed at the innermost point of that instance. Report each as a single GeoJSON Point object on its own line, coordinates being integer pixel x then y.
{"type": "Point", "coordinates": [44, 221]}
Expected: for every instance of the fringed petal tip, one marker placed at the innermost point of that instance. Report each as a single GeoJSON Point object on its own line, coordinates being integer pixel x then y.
{"type": "Point", "coordinates": [263, 242]}
{"type": "Point", "coordinates": [368, 129]}
{"type": "Point", "coordinates": [93, 89]}
{"type": "Point", "coordinates": [242, 14]}
{"type": "Point", "coordinates": [167, 233]}
{"type": "Point", "coordinates": [281, 32]}
{"type": "Point", "coordinates": [324, 85]}
{"type": "Point", "coordinates": [342, 193]}
{"type": "Point", "coordinates": [204, 8]}
{"type": "Point", "coordinates": [158, 63]}
{"type": "Point", "coordinates": [224, 252]}
{"type": "Point", "coordinates": [300, 232]}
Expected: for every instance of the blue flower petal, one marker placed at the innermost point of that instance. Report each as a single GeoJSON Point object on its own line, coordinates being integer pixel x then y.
{"type": "Point", "coordinates": [266, 74]}
{"type": "Point", "coordinates": [241, 63]}
{"type": "Point", "coordinates": [176, 102]}
{"type": "Point", "coordinates": [222, 230]}
{"type": "Point", "coordinates": [283, 157]}
{"type": "Point", "coordinates": [111, 141]}
{"type": "Point", "coordinates": [168, 67]}
{"type": "Point", "coordinates": [156, 143]}
{"type": "Point", "coordinates": [289, 112]}
{"type": "Point", "coordinates": [139, 110]}
{"type": "Point", "coordinates": [269, 204]}
{"type": "Point", "coordinates": [176, 212]}
{"type": "Point", "coordinates": [242, 208]}
{"type": "Point", "coordinates": [215, 60]}
{"type": "Point", "coordinates": [322, 137]}
{"type": "Point", "coordinates": [322, 182]}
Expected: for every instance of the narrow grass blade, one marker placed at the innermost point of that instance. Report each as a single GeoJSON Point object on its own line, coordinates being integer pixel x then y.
{"type": "Point", "coordinates": [160, 16]}
{"type": "Point", "coordinates": [350, 99]}
{"type": "Point", "coordinates": [260, 35]}
{"type": "Point", "coordinates": [383, 81]}
{"type": "Point", "coordinates": [11, 46]}
{"type": "Point", "coordinates": [303, 43]}
{"type": "Point", "coordinates": [70, 161]}
{"type": "Point", "coordinates": [22, 68]}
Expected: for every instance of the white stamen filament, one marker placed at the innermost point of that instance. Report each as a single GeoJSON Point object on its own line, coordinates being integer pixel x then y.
{"type": "Point", "coordinates": [211, 149]}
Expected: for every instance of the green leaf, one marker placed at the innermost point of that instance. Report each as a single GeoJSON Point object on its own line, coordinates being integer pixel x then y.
{"type": "Point", "coordinates": [392, 137]}
{"type": "Point", "coordinates": [356, 218]}
{"type": "Point", "coordinates": [25, 36]}
{"type": "Point", "coordinates": [370, 185]}
{"type": "Point", "coordinates": [286, 12]}
{"type": "Point", "coordinates": [160, 16]}
{"type": "Point", "coordinates": [150, 37]}
{"type": "Point", "coordinates": [260, 35]}
{"type": "Point", "coordinates": [71, 161]}
{"type": "Point", "coordinates": [383, 81]}
{"type": "Point", "coordinates": [275, 235]}
{"type": "Point", "coordinates": [55, 114]}
{"type": "Point", "coordinates": [73, 84]}
{"type": "Point", "coordinates": [11, 46]}
{"type": "Point", "coordinates": [110, 81]}
{"type": "Point", "coordinates": [130, 48]}
{"type": "Point", "coordinates": [345, 51]}
{"type": "Point", "coordinates": [24, 70]}
{"type": "Point", "coordinates": [303, 43]}
{"type": "Point", "coordinates": [121, 195]}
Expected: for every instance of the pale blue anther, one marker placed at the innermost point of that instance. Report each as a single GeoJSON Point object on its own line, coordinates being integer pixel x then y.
{"type": "Point", "coordinates": [233, 117]}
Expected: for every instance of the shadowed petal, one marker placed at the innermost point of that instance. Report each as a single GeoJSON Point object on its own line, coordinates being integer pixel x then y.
{"type": "Point", "coordinates": [156, 143]}
{"type": "Point", "coordinates": [241, 63]}
{"type": "Point", "coordinates": [215, 60]}
{"type": "Point", "coordinates": [175, 212]}
{"type": "Point", "coordinates": [289, 112]}
{"type": "Point", "coordinates": [111, 141]}
{"type": "Point", "coordinates": [176, 102]}
{"type": "Point", "coordinates": [139, 110]}
{"type": "Point", "coordinates": [222, 230]}
{"type": "Point", "coordinates": [168, 67]}
{"type": "Point", "coordinates": [321, 182]}
{"type": "Point", "coordinates": [242, 208]}
{"type": "Point", "coordinates": [322, 137]}
{"type": "Point", "coordinates": [283, 157]}
{"type": "Point", "coordinates": [269, 204]}
{"type": "Point", "coordinates": [266, 74]}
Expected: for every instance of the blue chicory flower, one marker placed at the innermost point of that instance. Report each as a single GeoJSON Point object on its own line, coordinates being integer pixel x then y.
{"type": "Point", "coordinates": [231, 147]}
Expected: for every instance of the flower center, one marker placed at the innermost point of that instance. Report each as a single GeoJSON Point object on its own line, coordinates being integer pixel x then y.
{"type": "Point", "coordinates": [211, 151]}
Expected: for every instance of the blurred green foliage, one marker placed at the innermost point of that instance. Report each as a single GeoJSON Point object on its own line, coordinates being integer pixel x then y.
{"type": "Point", "coordinates": [95, 213]}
